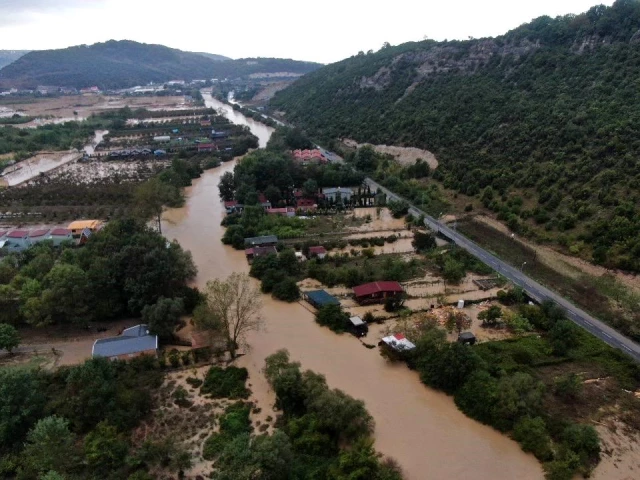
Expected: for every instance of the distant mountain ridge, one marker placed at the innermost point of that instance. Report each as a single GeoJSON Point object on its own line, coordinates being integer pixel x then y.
{"type": "Point", "coordinates": [541, 124]}
{"type": "Point", "coordinates": [122, 64]}
{"type": "Point", "coordinates": [213, 56]}
{"type": "Point", "coordinates": [9, 56]}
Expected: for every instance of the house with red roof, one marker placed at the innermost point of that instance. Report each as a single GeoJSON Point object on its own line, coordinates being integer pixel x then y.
{"type": "Point", "coordinates": [283, 212]}
{"type": "Point", "coordinates": [255, 252]}
{"type": "Point", "coordinates": [36, 236]}
{"type": "Point", "coordinates": [60, 235]}
{"type": "Point", "coordinates": [376, 292]}
{"type": "Point", "coordinates": [207, 147]}
{"type": "Point", "coordinates": [305, 157]}
{"type": "Point", "coordinates": [232, 206]}
{"type": "Point", "coordinates": [15, 241]}
{"type": "Point", "coordinates": [264, 202]}
{"type": "Point", "coordinates": [306, 204]}
{"type": "Point", "coordinates": [318, 252]}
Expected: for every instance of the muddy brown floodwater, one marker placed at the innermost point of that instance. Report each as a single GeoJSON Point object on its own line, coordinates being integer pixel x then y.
{"type": "Point", "coordinates": [260, 130]}
{"type": "Point", "coordinates": [417, 426]}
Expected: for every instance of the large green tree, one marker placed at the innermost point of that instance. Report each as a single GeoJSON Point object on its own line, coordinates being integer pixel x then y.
{"type": "Point", "coordinates": [163, 316]}
{"type": "Point", "coordinates": [153, 196]}
{"type": "Point", "coordinates": [50, 446]}
{"type": "Point", "coordinates": [9, 337]}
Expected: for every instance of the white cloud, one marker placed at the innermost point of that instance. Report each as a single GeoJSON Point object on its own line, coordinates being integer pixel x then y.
{"type": "Point", "coordinates": [320, 31]}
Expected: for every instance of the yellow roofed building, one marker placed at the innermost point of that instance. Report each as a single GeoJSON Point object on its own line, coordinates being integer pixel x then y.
{"type": "Point", "coordinates": [79, 226]}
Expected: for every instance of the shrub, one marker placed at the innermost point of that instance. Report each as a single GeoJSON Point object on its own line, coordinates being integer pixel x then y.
{"type": "Point", "coordinates": [532, 435]}
{"type": "Point", "coordinates": [333, 317]}
{"type": "Point", "coordinates": [174, 358]}
{"type": "Point", "coordinates": [214, 445]}
{"type": "Point", "coordinates": [194, 382]}
{"type": "Point", "coordinates": [225, 382]}
{"type": "Point", "coordinates": [186, 357]}
{"type": "Point", "coordinates": [286, 290]}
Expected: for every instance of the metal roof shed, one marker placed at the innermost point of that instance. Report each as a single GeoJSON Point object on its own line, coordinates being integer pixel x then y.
{"type": "Point", "coordinates": [133, 340]}
{"type": "Point", "coordinates": [320, 298]}
{"type": "Point", "coordinates": [258, 241]}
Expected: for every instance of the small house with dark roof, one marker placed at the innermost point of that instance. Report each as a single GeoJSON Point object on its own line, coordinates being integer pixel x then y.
{"type": "Point", "coordinates": [467, 338]}
{"type": "Point", "coordinates": [320, 298]}
{"type": "Point", "coordinates": [264, 241]}
{"type": "Point", "coordinates": [36, 236]}
{"type": "Point", "coordinates": [133, 342]}
{"type": "Point", "coordinates": [255, 252]}
{"type": "Point", "coordinates": [232, 206]}
{"type": "Point", "coordinates": [60, 235]}
{"type": "Point", "coordinates": [375, 292]}
{"type": "Point", "coordinates": [358, 326]}
{"type": "Point", "coordinates": [333, 194]}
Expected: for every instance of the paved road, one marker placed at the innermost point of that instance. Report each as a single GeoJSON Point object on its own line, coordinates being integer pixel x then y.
{"type": "Point", "coordinates": [533, 288]}
{"type": "Point", "coordinates": [515, 275]}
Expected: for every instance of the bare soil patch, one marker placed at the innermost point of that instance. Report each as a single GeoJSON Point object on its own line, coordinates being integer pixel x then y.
{"type": "Point", "coordinates": [270, 90]}
{"type": "Point", "coordinates": [620, 457]}
{"type": "Point", "coordinates": [191, 423]}
{"type": "Point", "coordinates": [403, 155]}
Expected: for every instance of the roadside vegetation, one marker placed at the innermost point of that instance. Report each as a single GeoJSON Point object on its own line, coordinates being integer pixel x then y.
{"type": "Point", "coordinates": [604, 297]}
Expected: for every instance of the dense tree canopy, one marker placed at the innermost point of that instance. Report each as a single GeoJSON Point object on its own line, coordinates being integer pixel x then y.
{"type": "Point", "coordinates": [122, 269]}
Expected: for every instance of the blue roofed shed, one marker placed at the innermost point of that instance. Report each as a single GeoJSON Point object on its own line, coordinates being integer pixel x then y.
{"type": "Point", "coordinates": [320, 298]}
{"type": "Point", "coordinates": [132, 342]}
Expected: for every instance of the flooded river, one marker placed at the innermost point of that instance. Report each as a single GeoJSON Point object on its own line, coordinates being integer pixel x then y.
{"type": "Point", "coordinates": [258, 129]}
{"type": "Point", "coordinates": [417, 426]}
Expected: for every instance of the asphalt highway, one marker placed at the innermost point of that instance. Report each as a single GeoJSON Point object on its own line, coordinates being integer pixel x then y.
{"type": "Point", "coordinates": [536, 291]}
{"type": "Point", "coordinates": [530, 286]}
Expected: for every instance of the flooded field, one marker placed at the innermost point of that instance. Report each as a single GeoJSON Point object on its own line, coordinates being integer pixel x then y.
{"type": "Point", "coordinates": [46, 162]}
{"type": "Point", "coordinates": [419, 427]}
{"type": "Point", "coordinates": [34, 166]}
{"type": "Point", "coordinates": [79, 107]}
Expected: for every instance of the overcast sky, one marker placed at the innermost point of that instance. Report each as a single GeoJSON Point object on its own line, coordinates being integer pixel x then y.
{"type": "Point", "coordinates": [322, 31]}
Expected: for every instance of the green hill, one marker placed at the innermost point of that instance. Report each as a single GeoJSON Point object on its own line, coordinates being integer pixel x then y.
{"type": "Point", "coordinates": [542, 123]}
{"type": "Point", "coordinates": [121, 64]}
{"type": "Point", "coordinates": [9, 56]}
{"type": "Point", "coordinates": [214, 56]}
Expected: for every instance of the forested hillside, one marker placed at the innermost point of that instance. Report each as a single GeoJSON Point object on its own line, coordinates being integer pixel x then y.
{"type": "Point", "coordinates": [541, 123]}
{"type": "Point", "coordinates": [121, 64]}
